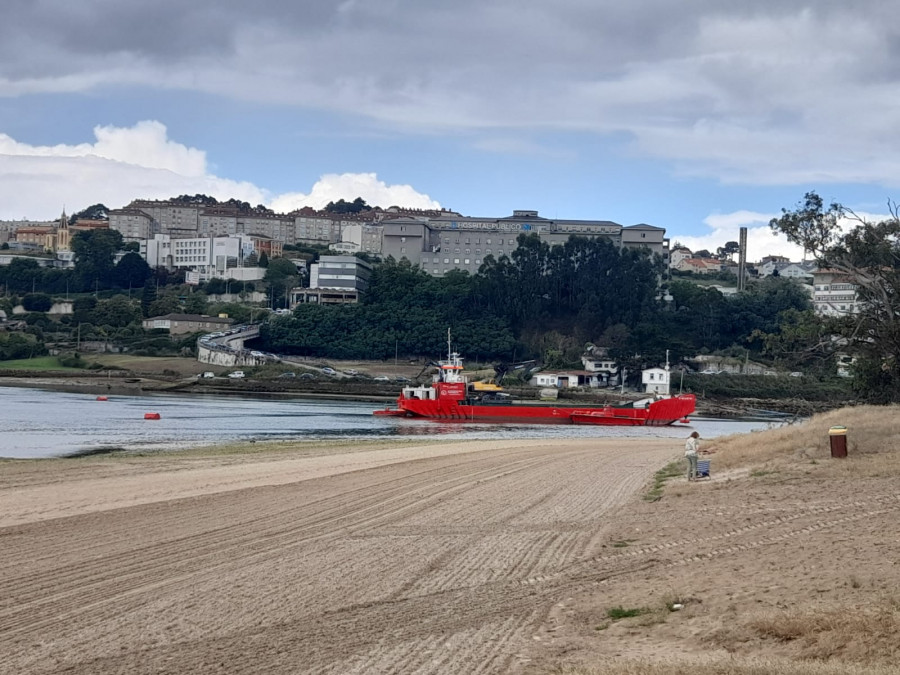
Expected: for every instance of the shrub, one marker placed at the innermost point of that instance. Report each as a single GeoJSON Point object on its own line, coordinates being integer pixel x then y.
{"type": "Point", "coordinates": [72, 361]}
{"type": "Point", "coordinates": [37, 302]}
{"type": "Point", "coordinates": [616, 613]}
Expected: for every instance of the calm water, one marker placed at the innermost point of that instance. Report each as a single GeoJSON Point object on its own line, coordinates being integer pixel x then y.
{"type": "Point", "coordinates": [36, 423]}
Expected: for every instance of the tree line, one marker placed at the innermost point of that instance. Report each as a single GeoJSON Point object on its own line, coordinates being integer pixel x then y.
{"type": "Point", "coordinates": [95, 268]}
{"type": "Point", "coordinates": [541, 301]}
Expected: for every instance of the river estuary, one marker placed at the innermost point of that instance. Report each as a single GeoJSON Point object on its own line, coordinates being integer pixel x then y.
{"type": "Point", "coordinates": [36, 423]}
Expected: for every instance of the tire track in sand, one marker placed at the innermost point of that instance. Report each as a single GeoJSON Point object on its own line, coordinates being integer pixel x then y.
{"type": "Point", "coordinates": [90, 618]}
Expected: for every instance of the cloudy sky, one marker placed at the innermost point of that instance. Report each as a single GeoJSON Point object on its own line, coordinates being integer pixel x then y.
{"type": "Point", "coordinates": [697, 116]}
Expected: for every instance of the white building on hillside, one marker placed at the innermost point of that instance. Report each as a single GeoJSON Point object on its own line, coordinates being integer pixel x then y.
{"type": "Point", "coordinates": [678, 254]}
{"type": "Point", "coordinates": [834, 294]}
{"type": "Point", "coordinates": [334, 279]}
{"type": "Point", "coordinates": [791, 270]}
{"type": "Point", "coordinates": [207, 256]}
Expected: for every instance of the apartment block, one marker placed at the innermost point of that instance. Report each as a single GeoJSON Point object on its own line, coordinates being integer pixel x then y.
{"type": "Point", "coordinates": [450, 241]}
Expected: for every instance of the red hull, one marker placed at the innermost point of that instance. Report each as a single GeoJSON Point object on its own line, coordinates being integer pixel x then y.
{"type": "Point", "coordinates": [390, 412]}
{"type": "Point", "coordinates": [658, 413]}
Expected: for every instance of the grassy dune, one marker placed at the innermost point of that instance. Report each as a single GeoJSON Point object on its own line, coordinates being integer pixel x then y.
{"type": "Point", "coordinates": [873, 438]}
{"type": "Point", "coordinates": [849, 635]}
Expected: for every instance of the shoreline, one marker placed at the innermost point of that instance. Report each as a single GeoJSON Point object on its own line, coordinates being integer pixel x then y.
{"type": "Point", "coordinates": [147, 386]}
{"type": "Point", "coordinates": [727, 409]}
{"type": "Point", "coordinates": [540, 555]}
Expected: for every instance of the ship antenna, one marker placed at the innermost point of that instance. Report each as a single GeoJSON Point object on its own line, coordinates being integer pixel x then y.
{"type": "Point", "coordinates": [449, 348]}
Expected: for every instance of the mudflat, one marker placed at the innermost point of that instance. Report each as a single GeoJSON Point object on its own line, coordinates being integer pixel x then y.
{"type": "Point", "coordinates": [477, 557]}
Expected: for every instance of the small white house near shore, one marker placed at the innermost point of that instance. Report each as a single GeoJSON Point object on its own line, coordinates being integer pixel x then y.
{"type": "Point", "coordinates": [656, 380]}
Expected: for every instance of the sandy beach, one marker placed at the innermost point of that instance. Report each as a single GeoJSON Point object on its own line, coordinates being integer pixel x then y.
{"type": "Point", "coordinates": [477, 557]}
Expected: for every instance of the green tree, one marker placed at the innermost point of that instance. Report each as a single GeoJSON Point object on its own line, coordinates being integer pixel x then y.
{"type": "Point", "coordinates": [281, 275]}
{"type": "Point", "coordinates": [728, 250]}
{"type": "Point", "coordinates": [83, 309]}
{"type": "Point", "coordinates": [117, 312]}
{"type": "Point", "coordinates": [93, 212]}
{"type": "Point", "coordinates": [263, 260]}
{"type": "Point", "coordinates": [18, 346]}
{"type": "Point", "coordinates": [148, 295]}
{"type": "Point", "coordinates": [37, 302]}
{"type": "Point", "coordinates": [196, 303]}
{"type": "Point", "coordinates": [21, 275]}
{"type": "Point", "coordinates": [131, 271]}
{"type": "Point", "coordinates": [803, 339]}
{"type": "Point", "coordinates": [95, 253]}
{"type": "Point", "coordinates": [340, 206]}
{"type": "Point", "coordinates": [868, 256]}
{"type": "Point", "coordinates": [215, 286]}
{"type": "Point", "coordinates": [167, 304]}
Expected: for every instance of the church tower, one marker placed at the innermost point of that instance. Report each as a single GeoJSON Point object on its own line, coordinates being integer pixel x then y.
{"type": "Point", "coordinates": [63, 235]}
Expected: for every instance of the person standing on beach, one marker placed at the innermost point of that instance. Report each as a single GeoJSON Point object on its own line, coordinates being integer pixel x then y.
{"type": "Point", "coordinates": [691, 448]}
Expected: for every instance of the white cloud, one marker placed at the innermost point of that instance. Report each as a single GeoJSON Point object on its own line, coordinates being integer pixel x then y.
{"type": "Point", "coordinates": [122, 164]}
{"type": "Point", "coordinates": [725, 227]}
{"type": "Point", "coordinates": [349, 186]}
{"type": "Point", "coordinates": [142, 162]}
{"type": "Point", "coordinates": [781, 93]}
{"type": "Point", "coordinates": [145, 144]}
{"type": "Point", "coordinates": [761, 239]}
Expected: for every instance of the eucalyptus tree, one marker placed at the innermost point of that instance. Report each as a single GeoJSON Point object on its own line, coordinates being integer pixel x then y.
{"type": "Point", "coordinates": [867, 254]}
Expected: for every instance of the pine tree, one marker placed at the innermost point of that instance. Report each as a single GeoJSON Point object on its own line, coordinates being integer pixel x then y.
{"type": "Point", "coordinates": [147, 297]}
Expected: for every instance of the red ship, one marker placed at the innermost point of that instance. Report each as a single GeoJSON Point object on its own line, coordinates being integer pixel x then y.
{"type": "Point", "coordinates": [452, 397]}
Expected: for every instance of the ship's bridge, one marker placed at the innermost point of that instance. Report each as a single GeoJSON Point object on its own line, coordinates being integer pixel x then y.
{"type": "Point", "coordinates": [421, 392]}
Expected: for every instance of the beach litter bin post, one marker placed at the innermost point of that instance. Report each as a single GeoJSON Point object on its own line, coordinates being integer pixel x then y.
{"type": "Point", "coordinates": [838, 438]}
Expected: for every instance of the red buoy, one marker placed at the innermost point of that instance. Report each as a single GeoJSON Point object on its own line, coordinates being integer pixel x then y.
{"type": "Point", "coordinates": [102, 398]}
{"type": "Point", "coordinates": [151, 416]}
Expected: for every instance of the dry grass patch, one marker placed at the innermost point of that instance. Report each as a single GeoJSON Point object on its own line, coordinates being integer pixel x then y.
{"type": "Point", "coordinates": [858, 634]}
{"type": "Point", "coordinates": [872, 441]}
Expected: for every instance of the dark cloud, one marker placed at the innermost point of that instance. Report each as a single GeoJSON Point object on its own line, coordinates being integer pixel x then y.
{"type": "Point", "coordinates": [697, 80]}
